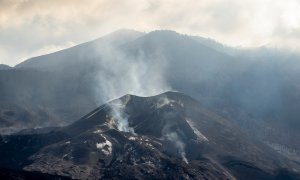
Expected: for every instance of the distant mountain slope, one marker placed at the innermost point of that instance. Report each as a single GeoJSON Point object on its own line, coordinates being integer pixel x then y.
{"type": "Point", "coordinates": [185, 56]}
{"type": "Point", "coordinates": [167, 136]}
{"type": "Point", "coordinates": [80, 53]}
{"type": "Point", "coordinates": [4, 67]}
{"type": "Point", "coordinates": [33, 99]}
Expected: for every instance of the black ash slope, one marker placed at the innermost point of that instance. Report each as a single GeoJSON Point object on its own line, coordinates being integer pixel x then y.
{"type": "Point", "coordinates": [168, 136]}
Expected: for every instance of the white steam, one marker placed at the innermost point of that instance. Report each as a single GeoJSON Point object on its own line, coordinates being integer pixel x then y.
{"type": "Point", "coordinates": [119, 117]}
{"type": "Point", "coordinates": [179, 145]}
{"type": "Point", "coordinates": [119, 74]}
{"type": "Point", "coordinates": [168, 131]}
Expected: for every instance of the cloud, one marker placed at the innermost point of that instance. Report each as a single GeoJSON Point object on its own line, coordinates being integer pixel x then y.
{"type": "Point", "coordinates": [27, 26]}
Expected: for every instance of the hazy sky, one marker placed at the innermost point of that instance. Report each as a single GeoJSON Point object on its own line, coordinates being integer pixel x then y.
{"type": "Point", "coordinates": [34, 27]}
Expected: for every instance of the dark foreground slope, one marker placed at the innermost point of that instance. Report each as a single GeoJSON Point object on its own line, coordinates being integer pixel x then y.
{"type": "Point", "coordinates": [169, 136]}
{"type": "Point", "coordinates": [8, 174]}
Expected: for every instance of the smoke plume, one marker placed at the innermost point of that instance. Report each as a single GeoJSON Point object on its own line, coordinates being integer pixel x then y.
{"type": "Point", "coordinates": [119, 73]}
{"type": "Point", "coordinates": [171, 134]}
{"type": "Point", "coordinates": [178, 144]}
{"type": "Point", "coordinates": [119, 117]}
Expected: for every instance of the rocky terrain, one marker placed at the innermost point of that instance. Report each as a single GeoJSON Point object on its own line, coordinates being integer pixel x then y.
{"type": "Point", "coordinates": [168, 136]}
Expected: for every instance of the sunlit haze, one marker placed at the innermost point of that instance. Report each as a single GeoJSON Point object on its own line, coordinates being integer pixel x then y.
{"type": "Point", "coordinates": [34, 27]}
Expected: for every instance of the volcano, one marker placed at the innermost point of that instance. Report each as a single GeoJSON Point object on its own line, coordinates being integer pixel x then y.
{"type": "Point", "coordinates": [168, 136]}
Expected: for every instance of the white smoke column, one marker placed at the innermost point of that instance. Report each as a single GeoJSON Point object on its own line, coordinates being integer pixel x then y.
{"type": "Point", "coordinates": [173, 137]}
{"type": "Point", "coordinates": [120, 117]}
{"type": "Point", "coordinates": [169, 134]}
{"type": "Point", "coordinates": [120, 73]}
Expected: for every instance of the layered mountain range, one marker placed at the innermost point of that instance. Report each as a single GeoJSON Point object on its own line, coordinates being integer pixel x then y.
{"type": "Point", "coordinates": [255, 90]}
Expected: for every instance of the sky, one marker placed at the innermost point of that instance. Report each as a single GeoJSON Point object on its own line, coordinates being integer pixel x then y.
{"type": "Point", "coordinates": [30, 28]}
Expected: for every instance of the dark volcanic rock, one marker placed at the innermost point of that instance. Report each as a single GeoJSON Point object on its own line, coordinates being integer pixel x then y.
{"type": "Point", "coordinates": [8, 174]}
{"type": "Point", "coordinates": [169, 136]}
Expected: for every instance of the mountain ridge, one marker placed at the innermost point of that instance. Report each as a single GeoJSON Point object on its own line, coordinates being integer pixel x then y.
{"type": "Point", "coordinates": [167, 135]}
{"type": "Point", "coordinates": [109, 38]}
{"type": "Point", "coordinates": [31, 62]}
{"type": "Point", "coordinates": [5, 67]}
